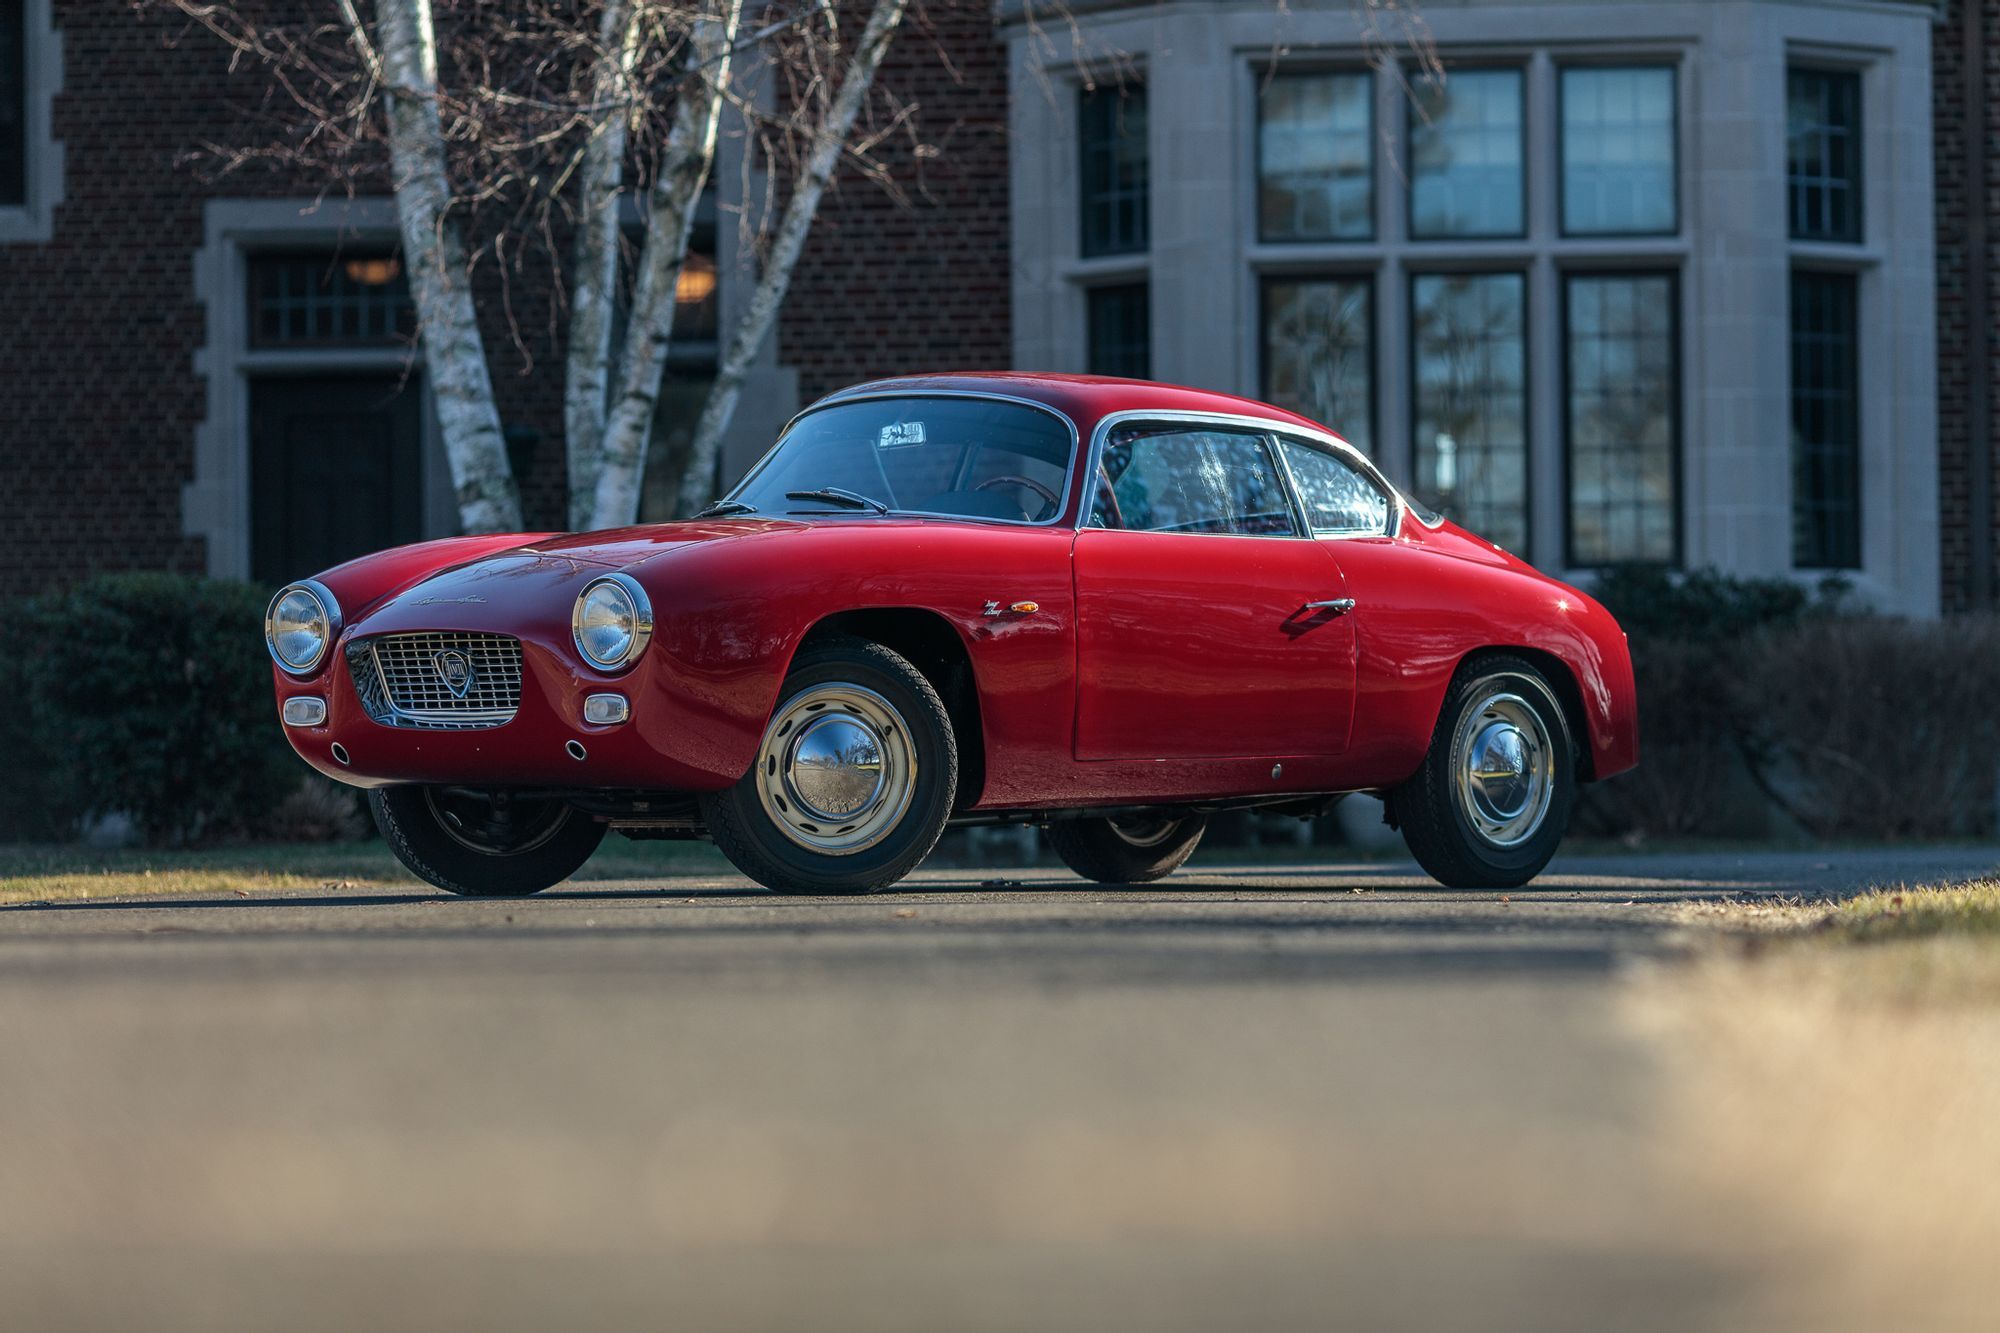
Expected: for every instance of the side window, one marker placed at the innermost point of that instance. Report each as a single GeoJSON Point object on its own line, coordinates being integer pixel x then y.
{"type": "Point", "coordinates": [1338, 499]}
{"type": "Point", "coordinates": [1174, 480]}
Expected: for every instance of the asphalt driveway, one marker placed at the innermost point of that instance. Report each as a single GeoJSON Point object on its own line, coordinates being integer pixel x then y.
{"type": "Point", "coordinates": [1309, 1097]}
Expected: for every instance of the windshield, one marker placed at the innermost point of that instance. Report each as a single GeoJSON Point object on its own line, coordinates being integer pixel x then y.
{"type": "Point", "coordinates": [967, 457]}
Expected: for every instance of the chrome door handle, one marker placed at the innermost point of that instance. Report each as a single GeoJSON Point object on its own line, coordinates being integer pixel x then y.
{"type": "Point", "coordinates": [1340, 606]}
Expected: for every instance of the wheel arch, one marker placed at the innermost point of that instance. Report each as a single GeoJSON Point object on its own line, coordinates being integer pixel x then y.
{"type": "Point", "coordinates": [932, 645]}
{"type": "Point", "coordinates": [1569, 694]}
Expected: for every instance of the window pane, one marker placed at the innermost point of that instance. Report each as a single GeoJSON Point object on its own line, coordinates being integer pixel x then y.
{"type": "Point", "coordinates": [1470, 370]}
{"type": "Point", "coordinates": [13, 102]}
{"type": "Point", "coordinates": [1192, 481]}
{"type": "Point", "coordinates": [1618, 151]}
{"type": "Point", "coordinates": [1465, 156]}
{"type": "Point", "coordinates": [1823, 154]}
{"type": "Point", "coordinates": [964, 456]}
{"type": "Point", "coordinates": [1826, 423]}
{"type": "Point", "coordinates": [1622, 408]}
{"type": "Point", "coordinates": [1337, 498]}
{"type": "Point", "coordinates": [1121, 331]}
{"type": "Point", "coordinates": [1317, 339]}
{"type": "Point", "coordinates": [322, 300]}
{"type": "Point", "coordinates": [1315, 157]}
{"type": "Point", "coordinates": [1112, 143]}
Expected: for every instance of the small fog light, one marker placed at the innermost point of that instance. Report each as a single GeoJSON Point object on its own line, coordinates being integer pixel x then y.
{"type": "Point", "coordinates": [603, 710]}
{"type": "Point", "coordinates": [306, 710]}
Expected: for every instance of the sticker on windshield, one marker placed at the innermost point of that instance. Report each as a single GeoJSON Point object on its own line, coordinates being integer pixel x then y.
{"type": "Point", "coordinates": [901, 435]}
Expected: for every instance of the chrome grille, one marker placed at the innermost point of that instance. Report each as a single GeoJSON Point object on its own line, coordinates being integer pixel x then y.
{"type": "Point", "coordinates": [411, 680]}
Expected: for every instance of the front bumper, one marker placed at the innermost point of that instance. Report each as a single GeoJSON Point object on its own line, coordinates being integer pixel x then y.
{"type": "Point", "coordinates": [664, 745]}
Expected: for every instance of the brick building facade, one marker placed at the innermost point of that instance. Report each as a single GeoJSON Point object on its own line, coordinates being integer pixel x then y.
{"type": "Point", "coordinates": [136, 383]}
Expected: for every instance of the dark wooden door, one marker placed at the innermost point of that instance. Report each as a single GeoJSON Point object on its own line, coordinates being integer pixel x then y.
{"type": "Point", "coordinates": [336, 466]}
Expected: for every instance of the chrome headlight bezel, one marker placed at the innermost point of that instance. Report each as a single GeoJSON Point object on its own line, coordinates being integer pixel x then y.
{"type": "Point", "coordinates": [638, 606]}
{"type": "Point", "coordinates": [328, 620]}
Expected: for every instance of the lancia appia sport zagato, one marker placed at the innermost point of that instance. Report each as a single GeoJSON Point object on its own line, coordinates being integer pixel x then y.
{"type": "Point", "coordinates": [1109, 607]}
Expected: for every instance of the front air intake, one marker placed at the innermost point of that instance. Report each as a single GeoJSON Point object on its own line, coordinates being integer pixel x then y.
{"type": "Point", "coordinates": [447, 681]}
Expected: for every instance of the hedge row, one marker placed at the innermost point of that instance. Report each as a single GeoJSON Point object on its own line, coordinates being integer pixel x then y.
{"type": "Point", "coordinates": [1764, 708]}
{"type": "Point", "coordinates": [145, 695]}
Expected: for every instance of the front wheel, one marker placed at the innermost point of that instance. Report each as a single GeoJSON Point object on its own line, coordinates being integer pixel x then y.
{"type": "Point", "coordinates": [853, 782]}
{"type": "Point", "coordinates": [1127, 849]}
{"type": "Point", "coordinates": [1492, 801]}
{"type": "Point", "coordinates": [484, 844]}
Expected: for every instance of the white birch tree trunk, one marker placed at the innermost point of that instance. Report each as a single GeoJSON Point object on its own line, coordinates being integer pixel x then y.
{"type": "Point", "coordinates": [434, 256]}
{"type": "Point", "coordinates": [593, 284]}
{"type": "Point", "coordinates": [786, 246]}
{"type": "Point", "coordinates": [677, 187]}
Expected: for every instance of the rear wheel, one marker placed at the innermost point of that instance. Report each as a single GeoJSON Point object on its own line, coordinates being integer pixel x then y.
{"type": "Point", "coordinates": [1127, 849]}
{"type": "Point", "coordinates": [483, 844]}
{"type": "Point", "coordinates": [1492, 801]}
{"type": "Point", "coordinates": [854, 779]}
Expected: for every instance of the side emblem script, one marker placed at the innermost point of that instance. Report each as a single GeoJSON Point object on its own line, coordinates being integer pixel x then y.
{"type": "Point", "coordinates": [455, 670]}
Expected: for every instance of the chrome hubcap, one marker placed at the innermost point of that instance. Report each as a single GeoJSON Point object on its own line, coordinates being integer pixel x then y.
{"type": "Point", "coordinates": [837, 770]}
{"type": "Point", "coordinates": [1505, 769]}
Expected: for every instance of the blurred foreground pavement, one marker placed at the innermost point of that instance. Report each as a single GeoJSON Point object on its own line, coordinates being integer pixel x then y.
{"type": "Point", "coordinates": [1302, 1097]}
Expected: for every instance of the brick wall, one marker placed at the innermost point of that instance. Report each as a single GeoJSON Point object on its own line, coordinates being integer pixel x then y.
{"type": "Point", "coordinates": [1955, 356]}
{"type": "Point", "coordinates": [99, 400]}
{"type": "Point", "coordinates": [888, 287]}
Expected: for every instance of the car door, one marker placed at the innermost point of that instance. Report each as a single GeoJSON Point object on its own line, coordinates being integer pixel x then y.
{"type": "Point", "coordinates": [1209, 625]}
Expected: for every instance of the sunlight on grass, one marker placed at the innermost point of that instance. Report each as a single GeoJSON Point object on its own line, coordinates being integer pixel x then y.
{"type": "Point", "coordinates": [66, 873]}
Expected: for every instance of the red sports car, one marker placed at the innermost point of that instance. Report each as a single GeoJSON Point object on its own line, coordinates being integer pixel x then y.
{"type": "Point", "coordinates": [1108, 607]}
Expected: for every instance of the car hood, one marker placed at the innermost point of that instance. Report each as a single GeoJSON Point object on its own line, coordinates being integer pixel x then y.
{"type": "Point", "coordinates": [512, 590]}
{"type": "Point", "coordinates": [621, 548]}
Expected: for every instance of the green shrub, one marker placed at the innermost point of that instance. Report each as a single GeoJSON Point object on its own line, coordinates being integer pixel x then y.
{"type": "Point", "coordinates": [143, 694]}
{"type": "Point", "coordinates": [1764, 703]}
{"type": "Point", "coordinates": [1871, 726]}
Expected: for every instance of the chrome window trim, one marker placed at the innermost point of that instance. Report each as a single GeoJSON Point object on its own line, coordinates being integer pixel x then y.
{"type": "Point", "coordinates": [842, 397]}
{"type": "Point", "coordinates": [1263, 426]}
{"type": "Point", "coordinates": [329, 605]}
{"type": "Point", "coordinates": [1388, 493]}
{"type": "Point", "coordinates": [642, 623]}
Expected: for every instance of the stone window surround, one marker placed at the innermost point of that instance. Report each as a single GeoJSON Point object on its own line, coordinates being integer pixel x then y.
{"type": "Point", "coordinates": [1733, 252]}
{"type": "Point", "coordinates": [34, 221]}
{"type": "Point", "coordinates": [215, 505]}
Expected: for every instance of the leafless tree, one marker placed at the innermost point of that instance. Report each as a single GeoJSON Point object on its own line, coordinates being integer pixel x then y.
{"type": "Point", "coordinates": [502, 126]}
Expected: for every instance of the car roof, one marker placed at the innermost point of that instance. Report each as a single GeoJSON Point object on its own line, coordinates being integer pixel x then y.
{"type": "Point", "coordinates": [1084, 399]}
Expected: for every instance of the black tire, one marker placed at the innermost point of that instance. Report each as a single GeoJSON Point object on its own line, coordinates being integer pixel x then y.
{"type": "Point", "coordinates": [1437, 818]}
{"type": "Point", "coordinates": [1131, 850]}
{"type": "Point", "coordinates": [439, 834]}
{"type": "Point", "coordinates": [761, 848]}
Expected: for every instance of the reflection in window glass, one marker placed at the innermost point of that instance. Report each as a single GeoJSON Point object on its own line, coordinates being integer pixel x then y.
{"type": "Point", "coordinates": [1621, 412]}
{"type": "Point", "coordinates": [1823, 154]}
{"type": "Point", "coordinates": [1112, 143]}
{"type": "Point", "coordinates": [1191, 481]}
{"type": "Point", "coordinates": [1315, 154]}
{"type": "Point", "coordinates": [1465, 156]}
{"type": "Point", "coordinates": [1826, 423]}
{"type": "Point", "coordinates": [1121, 330]}
{"type": "Point", "coordinates": [1337, 498]}
{"type": "Point", "coordinates": [1469, 361]}
{"type": "Point", "coordinates": [1317, 362]}
{"type": "Point", "coordinates": [972, 457]}
{"type": "Point", "coordinates": [1618, 151]}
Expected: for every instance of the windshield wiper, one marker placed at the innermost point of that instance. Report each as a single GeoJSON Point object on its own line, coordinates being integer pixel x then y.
{"type": "Point", "coordinates": [721, 507]}
{"type": "Point", "coordinates": [834, 495]}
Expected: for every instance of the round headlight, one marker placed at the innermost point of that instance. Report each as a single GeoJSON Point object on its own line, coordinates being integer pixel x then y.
{"type": "Point", "coordinates": [612, 622]}
{"type": "Point", "coordinates": [300, 626]}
